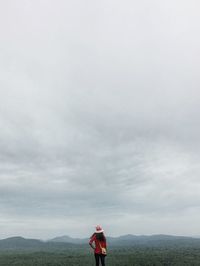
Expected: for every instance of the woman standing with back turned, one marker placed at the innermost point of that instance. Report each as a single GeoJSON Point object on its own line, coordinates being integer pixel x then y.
{"type": "Point", "coordinates": [100, 245]}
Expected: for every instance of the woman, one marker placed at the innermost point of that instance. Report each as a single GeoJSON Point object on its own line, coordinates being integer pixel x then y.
{"type": "Point", "coordinates": [100, 245]}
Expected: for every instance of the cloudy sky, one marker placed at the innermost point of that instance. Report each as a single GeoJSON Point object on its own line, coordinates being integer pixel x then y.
{"type": "Point", "coordinates": [99, 117]}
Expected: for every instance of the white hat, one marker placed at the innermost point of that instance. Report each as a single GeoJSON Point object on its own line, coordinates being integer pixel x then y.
{"type": "Point", "coordinates": [99, 229]}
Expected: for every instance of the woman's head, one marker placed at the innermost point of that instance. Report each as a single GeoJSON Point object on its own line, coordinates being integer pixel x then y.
{"type": "Point", "coordinates": [100, 233]}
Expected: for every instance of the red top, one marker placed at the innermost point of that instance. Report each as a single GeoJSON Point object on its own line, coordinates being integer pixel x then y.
{"type": "Point", "coordinates": [97, 249]}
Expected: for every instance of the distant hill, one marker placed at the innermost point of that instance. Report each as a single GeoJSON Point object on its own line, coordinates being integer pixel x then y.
{"type": "Point", "coordinates": [68, 239]}
{"type": "Point", "coordinates": [134, 240]}
{"type": "Point", "coordinates": [15, 242]}
{"type": "Point", "coordinates": [64, 243]}
{"type": "Point", "coordinates": [19, 243]}
{"type": "Point", "coordinates": [152, 240]}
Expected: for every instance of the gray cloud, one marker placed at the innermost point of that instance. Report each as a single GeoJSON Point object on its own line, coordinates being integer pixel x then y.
{"type": "Point", "coordinates": [99, 108]}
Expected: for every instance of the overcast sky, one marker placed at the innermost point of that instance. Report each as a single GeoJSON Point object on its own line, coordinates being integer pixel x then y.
{"type": "Point", "coordinates": [99, 117]}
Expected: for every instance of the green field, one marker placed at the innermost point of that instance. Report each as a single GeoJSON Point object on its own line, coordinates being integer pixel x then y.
{"type": "Point", "coordinates": [117, 257]}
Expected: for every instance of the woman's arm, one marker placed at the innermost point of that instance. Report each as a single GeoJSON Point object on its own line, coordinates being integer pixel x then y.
{"type": "Point", "coordinates": [91, 241]}
{"type": "Point", "coordinates": [91, 245]}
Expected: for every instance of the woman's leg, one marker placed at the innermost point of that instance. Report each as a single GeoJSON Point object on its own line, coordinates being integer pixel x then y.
{"type": "Point", "coordinates": [97, 259]}
{"type": "Point", "coordinates": [102, 260]}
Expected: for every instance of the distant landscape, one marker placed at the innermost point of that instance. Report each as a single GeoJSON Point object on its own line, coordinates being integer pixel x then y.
{"type": "Point", "coordinates": [125, 250]}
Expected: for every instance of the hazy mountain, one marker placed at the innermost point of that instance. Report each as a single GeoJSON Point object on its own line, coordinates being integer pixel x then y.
{"type": "Point", "coordinates": [68, 239]}
{"type": "Point", "coordinates": [63, 243]}
{"type": "Point", "coordinates": [132, 240]}
{"type": "Point", "coordinates": [20, 243]}
{"type": "Point", "coordinates": [16, 242]}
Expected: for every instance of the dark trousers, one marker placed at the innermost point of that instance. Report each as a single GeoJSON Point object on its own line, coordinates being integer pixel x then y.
{"type": "Point", "coordinates": [99, 257]}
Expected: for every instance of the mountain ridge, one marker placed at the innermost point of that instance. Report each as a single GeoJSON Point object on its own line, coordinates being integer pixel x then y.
{"type": "Point", "coordinates": [67, 238]}
{"type": "Point", "coordinates": [125, 237]}
{"type": "Point", "coordinates": [64, 242]}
